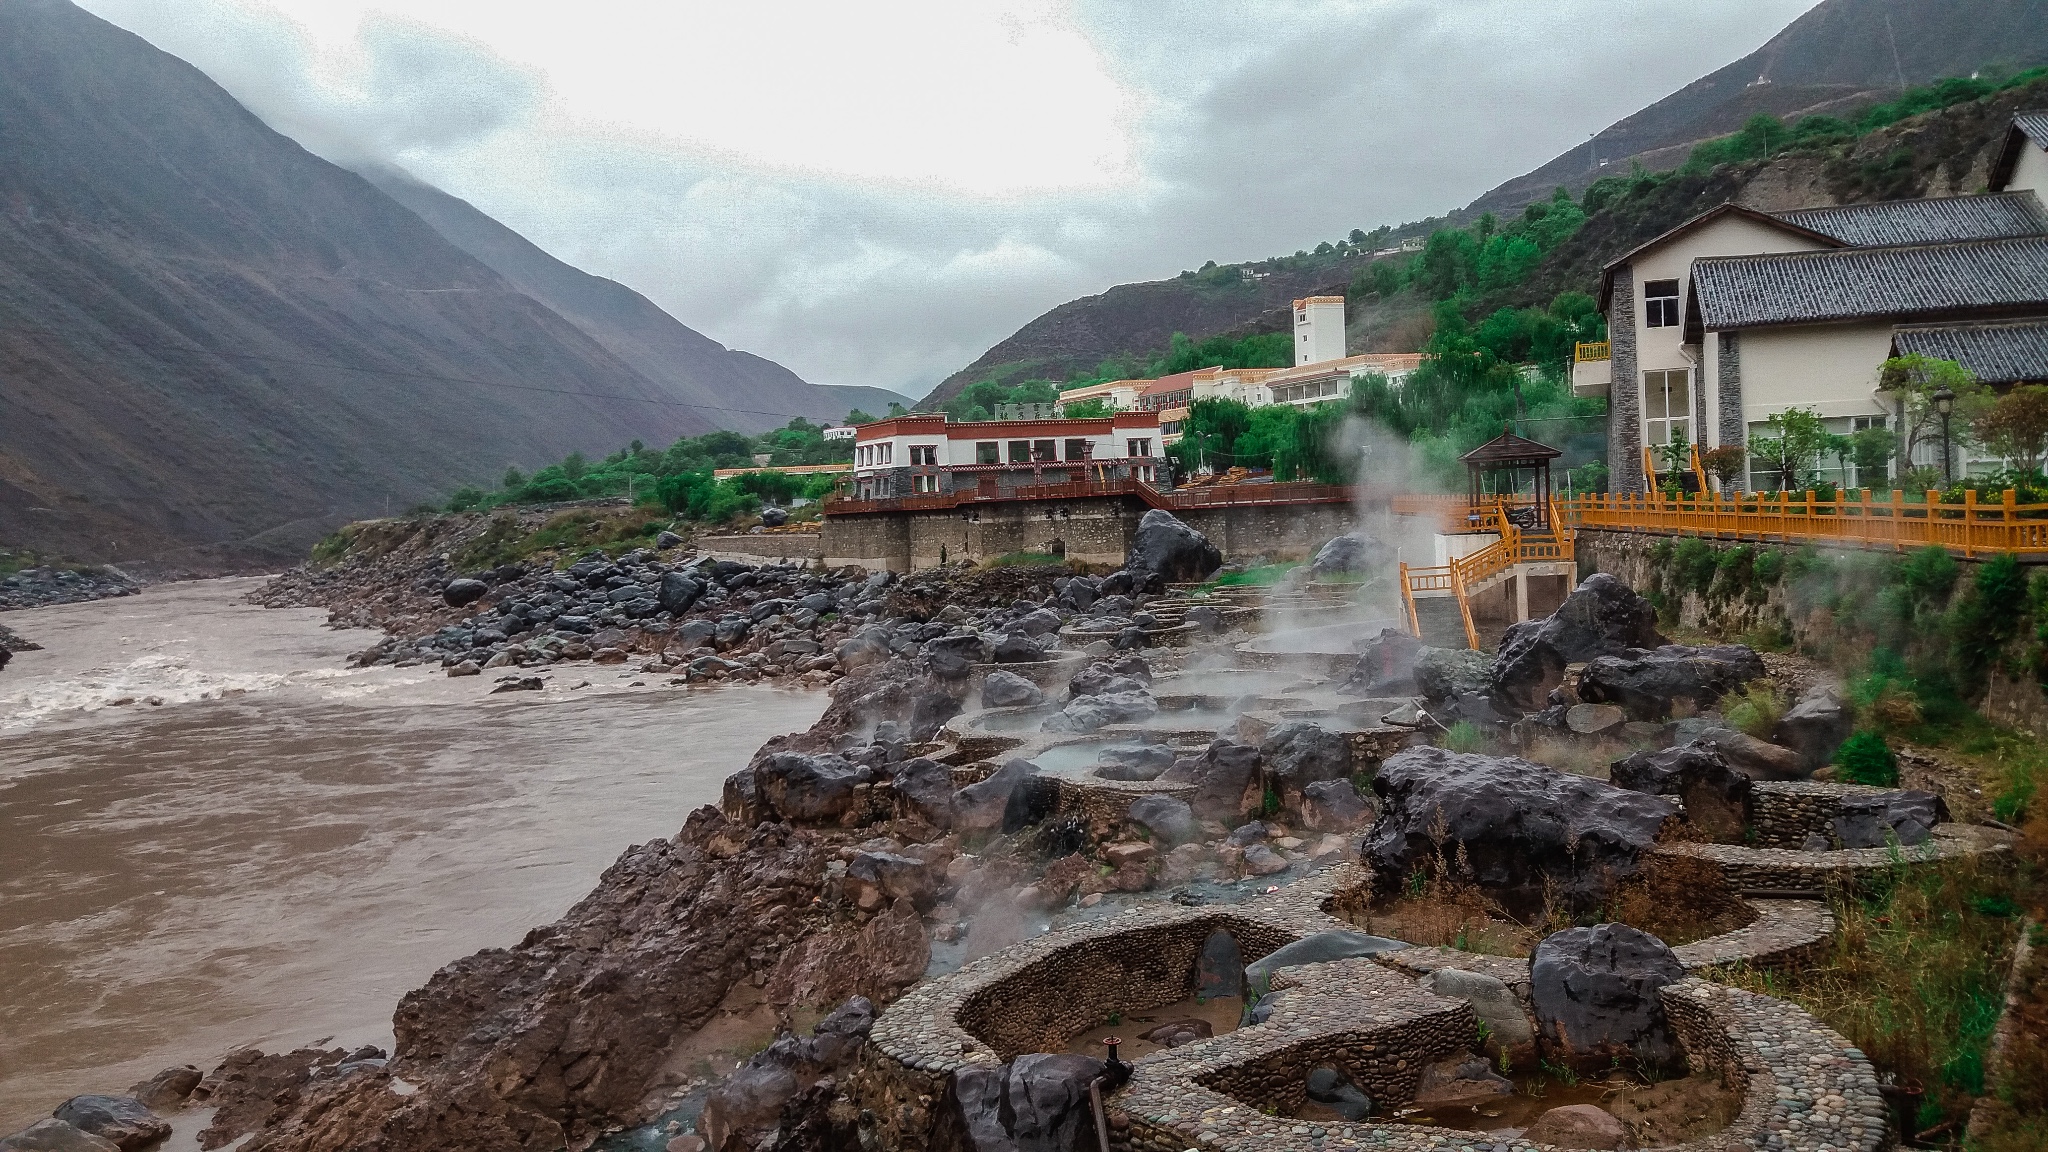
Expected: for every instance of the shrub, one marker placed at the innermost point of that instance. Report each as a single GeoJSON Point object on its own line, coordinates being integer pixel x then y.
{"type": "Point", "coordinates": [1696, 561]}
{"type": "Point", "coordinates": [1754, 710]}
{"type": "Point", "coordinates": [1864, 758]}
{"type": "Point", "coordinates": [1465, 736]}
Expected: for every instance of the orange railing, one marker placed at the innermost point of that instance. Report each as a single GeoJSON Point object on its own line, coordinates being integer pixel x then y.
{"type": "Point", "coordinates": [1463, 574]}
{"type": "Point", "coordinates": [1860, 519]}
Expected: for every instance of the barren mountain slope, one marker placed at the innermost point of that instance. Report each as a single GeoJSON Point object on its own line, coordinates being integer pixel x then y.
{"type": "Point", "coordinates": [214, 345]}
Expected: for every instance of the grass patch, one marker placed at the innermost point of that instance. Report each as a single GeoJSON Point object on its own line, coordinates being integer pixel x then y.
{"type": "Point", "coordinates": [1465, 736]}
{"type": "Point", "coordinates": [1754, 710]}
{"type": "Point", "coordinates": [1914, 976]}
{"type": "Point", "coordinates": [577, 531]}
{"type": "Point", "coordinates": [1263, 576]}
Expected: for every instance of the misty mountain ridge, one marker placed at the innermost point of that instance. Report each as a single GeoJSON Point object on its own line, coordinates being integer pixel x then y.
{"type": "Point", "coordinates": [1837, 59]}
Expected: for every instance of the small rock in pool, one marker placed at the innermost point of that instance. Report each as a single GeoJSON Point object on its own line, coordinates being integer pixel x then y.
{"type": "Point", "coordinates": [522, 684]}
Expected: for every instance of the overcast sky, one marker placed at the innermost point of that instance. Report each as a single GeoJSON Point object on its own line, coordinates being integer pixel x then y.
{"type": "Point", "coordinates": [874, 193]}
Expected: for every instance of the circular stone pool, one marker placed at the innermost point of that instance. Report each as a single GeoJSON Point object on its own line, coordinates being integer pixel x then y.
{"type": "Point", "coordinates": [1341, 638]}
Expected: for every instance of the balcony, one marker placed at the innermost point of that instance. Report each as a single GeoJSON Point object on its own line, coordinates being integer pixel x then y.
{"type": "Point", "coordinates": [1592, 369]}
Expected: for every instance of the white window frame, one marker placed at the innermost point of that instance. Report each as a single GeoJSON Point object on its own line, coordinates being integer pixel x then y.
{"type": "Point", "coordinates": [1661, 311]}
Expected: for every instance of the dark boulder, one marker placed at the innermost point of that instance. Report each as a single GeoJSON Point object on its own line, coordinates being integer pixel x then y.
{"type": "Point", "coordinates": [1352, 554]}
{"type": "Point", "coordinates": [1386, 666]}
{"type": "Point", "coordinates": [1164, 547]}
{"type": "Point", "coordinates": [1000, 803]}
{"type": "Point", "coordinates": [463, 592]}
{"type": "Point", "coordinates": [1038, 622]}
{"type": "Point", "coordinates": [768, 1091]}
{"type": "Point", "coordinates": [1207, 619]}
{"type": "Point", "coordinates": [924, 791]}
{"type": "Point", "coordinates": [773, 517]}
{"type": "Point", "coordinates": [805, 789]}
{"type": "Point", "coordinates": [1645, 683]}
{"type": "Point", "coordinates": [126, 1121]}
{"type": "Point", "coordinates": [1450, 673]}
{"type": "Point", "coordinates": [1076, 594]}
{"type": "Point", "coordinates": [1602, 617]}
{"type": "Point", "coordinates": [1595, 994]}
{"type": "Point", "coordinates": [679, 592]}
{"type": "Point", "coordinates": [1175, 1033]}
{"type": "Point", "coordinates": [1298, 754]}
{"type": "Point", "coordinates": [1035, 1103]}
{"type": "Point", "coordinates": [1107, 676]}
{"type": "Point", "coordinates": [1874, 819]}
{"type": "Point", "coordinates": [1754, 758]}
{"type": "Point", "coordinates": [1219, 972]}
{"type": "Point", "coordinates": [952, 657]}
{"type": "Point", "coordinates": [1466, 1079]}
{"type": "Point", "coordinates": [1715, 795]}
{"type": "Point", "coordinates": [1333, 806]}
{"type": "Point", "coordinates": [875, 879]}
{"type": "Point", "coordinates": [1226, 779]}
{"type": "Point", "coordinates": [1510, 826]}
{"type": "Point", "coordinates": [1168, 818]}
{"type": "Point", "coordinates": [1009, 690]}
{"type": "Point", "coordinates": [1016, 649]}
{"type": "Point", "coordinates": [1335, 1091]}
{"type": "Point", "coordinates": [1139, 762]}
{"type": "Point", "coordinates": [1088, 713]}
{"type": "Point", "coordinates": [169, 1088]}
{"type": "Point", "coordinates": [1816, 725]}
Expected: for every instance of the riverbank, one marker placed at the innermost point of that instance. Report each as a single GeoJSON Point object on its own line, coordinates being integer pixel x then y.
{"type": "Point", "coordinates": [283, 846]}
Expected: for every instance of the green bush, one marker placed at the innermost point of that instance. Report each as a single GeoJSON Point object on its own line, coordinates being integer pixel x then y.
{"type": "Point", "coordinates": [1864, 758]}
{"type": "Point", "coordinates": [1695, 561]}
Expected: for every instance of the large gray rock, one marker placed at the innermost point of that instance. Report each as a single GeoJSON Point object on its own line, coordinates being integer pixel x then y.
{"type": "Point", "coordinates": [799, 788]}
{"type": "Point", "coordinates": [1168, 818]}
{"type": "Point", "coordinates": [1587, 1126]}
{"type": "Point", "coordinates": [1320, 948]}
{"type": "Point", "coordinates": [1220, 970]}
{"type": "Point", "coordinates": [1872, 820]}
{"type": "Point", "coordinates": [1595, 994]}
{"type": "Point", "coordinates": [1715, 795]}
{"type": "Point", "coordinates": [1602, 617]}
{"type": "Point", "coordinates": [1141, 762]}
{"type": "Point", "coordinates": [1520, 828]}
{"type": "Point", "coordinates": [1754, 758]}
{"type": "Point", "coordinates": [1333, 806]}
{"type": "Point", "coordinates": [1008, 690]}
{"type": "Point", "coordinates": [997, 804]}
{"type": "Point", "coordinates": [1816, 725]}
{"type": "Point", "coordinates": [1111, 676]}
{"type": "Point", "coordinates": [953, 656]}
{"type": "Point", "coordinates": [55, 1136]}
{"type": "Point", "coordinates": [1386, 665]}
{"type": "Point", "coordinates": [1644, 683]}
{"type": "Point", "coordinates": [1298, 754]}
{"type": "Point", "coordinates": [1353, 554]}
{"type": "Point", "coordinates": [875, 879]}
{"type": "Point", "coordinates": [1035, 1103]}
{"type": "Point", "coordinates": [679, 592]}
{"type": "Point", "coordinates": [1466, 1079]}
{"type": "Point", "coordinates": [1335, 1091]}
{"type": "Point", "coordinates": [1016, 649]}
{"type": "Point", "coordinates": [1493, 1002]}
{"type": "Point", "coordinates": [463, 592]}
{"type": "Point", "coordinates": [924, 791]}
{"type": "Point", "coordinates": [1226, 779]}
{"type": "Point", "coordinates": [1088, 713]}
{"type": "Point", "coordinates": [751, 1102]}
{"type": "Point", "coordinates": [169, 1088]}
{"type": "Point", "coordinates": [1448, 673]}
{"type": "Point", "coordinates": [1164, 547]}
{"type": "Point", "coordinates": [126, 1121]}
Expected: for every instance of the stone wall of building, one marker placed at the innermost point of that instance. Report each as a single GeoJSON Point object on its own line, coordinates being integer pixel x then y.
{"type": "Point", "coordinates": [1624, 392]}
{"type": "Point", "coordinates": [1096, 530]}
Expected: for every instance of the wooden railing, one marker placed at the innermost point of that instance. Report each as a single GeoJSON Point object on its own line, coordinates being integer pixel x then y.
{"type": "Point", "coordinates": [1591, 352]}
{"type": "Point", "coordinates": [1861, 519]}
{"type": "Point", "coordinates": [1465, 574]}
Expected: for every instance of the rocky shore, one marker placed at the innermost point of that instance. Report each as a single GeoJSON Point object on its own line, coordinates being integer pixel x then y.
{"type": "Point", "coordinates": [41, 587]}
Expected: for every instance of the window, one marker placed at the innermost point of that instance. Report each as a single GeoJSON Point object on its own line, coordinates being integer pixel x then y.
{"type": "Point", "coordinates": [924, 483]}
{"type": "Point", "coordinates": [924, 455]}
{"type": "Point", "coordinates": [988, 452]}
{"type": "Point", "coordinates": [1042, 450]}
{"type": "Point", "coordinates": [889, 453]}
{"type": "Point", "coordinates": [1138, 447]}
{"type": "Point", "coordinates": [1020, 451]}
{"type": "Point", "coordinates": [1079, 449]}
{"type": "Point", "coordinates": [1667, 410]}
{"type": "Point", "coordinates": [1660, 303]}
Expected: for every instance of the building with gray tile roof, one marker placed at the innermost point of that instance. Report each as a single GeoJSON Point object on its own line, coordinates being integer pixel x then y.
{"type": "Point", "coordinates": [1993, 217]}
{"type": "Point", "coordinates": [1997, 354]}
{"type": "Point", "coordinates": [1925, 281]}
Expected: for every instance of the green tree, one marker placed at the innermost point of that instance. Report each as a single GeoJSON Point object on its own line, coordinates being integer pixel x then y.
{"type": "Point", "coordinates": [1910, 382]}
{"type": "Point", "coordinates": [856, 416]}
{"type": "Point", "coordinates": [2016, 427]}
{"type": "Point", "coordinates": [1210, 434]}
{"type": "Point", "coordinates": [1092, 409]}
{"type": "Point", "coordinates": [1793, 447]}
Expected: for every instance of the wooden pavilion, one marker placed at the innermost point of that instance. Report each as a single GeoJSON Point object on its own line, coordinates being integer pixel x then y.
{"type": "Point", "coordinates": [1513, 455]}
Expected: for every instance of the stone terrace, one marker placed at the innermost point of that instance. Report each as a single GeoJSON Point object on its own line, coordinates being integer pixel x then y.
{"type": "Point", "coordinates": [1785, 869]}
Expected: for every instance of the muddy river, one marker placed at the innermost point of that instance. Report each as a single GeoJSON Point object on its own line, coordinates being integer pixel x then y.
{"type": "Point", "coordinates": [212, 834]}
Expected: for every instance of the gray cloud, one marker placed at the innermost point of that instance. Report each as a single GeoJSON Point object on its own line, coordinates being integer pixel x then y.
{"type": "Point", "coordinates": [1271, 127]}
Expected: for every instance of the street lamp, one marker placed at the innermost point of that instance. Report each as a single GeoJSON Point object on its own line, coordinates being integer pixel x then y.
{"type": "Point", "coordinates": [1945, 403]}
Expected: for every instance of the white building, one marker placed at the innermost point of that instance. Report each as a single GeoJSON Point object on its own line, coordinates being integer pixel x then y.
{"type": "Point", "coordinates": [1739, 315]}
{"type": "Point", "coordinates": [929, 454]}
{"type": "Point", "coordinates": [840, 432]}
{"type": "Point", "coordinates": [1318, 330]}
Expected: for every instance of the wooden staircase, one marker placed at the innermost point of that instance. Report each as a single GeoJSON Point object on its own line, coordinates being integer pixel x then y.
{"type": "Point", "coordinates": [1468, 576]}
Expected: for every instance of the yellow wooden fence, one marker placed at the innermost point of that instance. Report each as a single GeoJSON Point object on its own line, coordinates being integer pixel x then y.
{"type": "Point", "coordinates": [1852, 519]}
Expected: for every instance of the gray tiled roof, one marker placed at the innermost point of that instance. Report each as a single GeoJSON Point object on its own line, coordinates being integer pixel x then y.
{"type": "Point", "coordinates": [1994, 353]}
{"type": "Point", "coordinates": [1848, 283]}
{"type": "Point", "coordinates": [1927, 221]}
{"type": "Point", "coordinates": [2034, 125]}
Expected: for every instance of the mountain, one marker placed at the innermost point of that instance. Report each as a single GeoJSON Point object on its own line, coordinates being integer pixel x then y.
{"type": "Point", "coordinates": [1840, 57]}
{"type": "Point", "coordinates": [731, 389]}
{"type": "Point", "coordinates": [873, 401]}
{"type": "Point", "coordinates": [1837, 58]}
{"type": "Point", "coordinates": [214, 346]}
